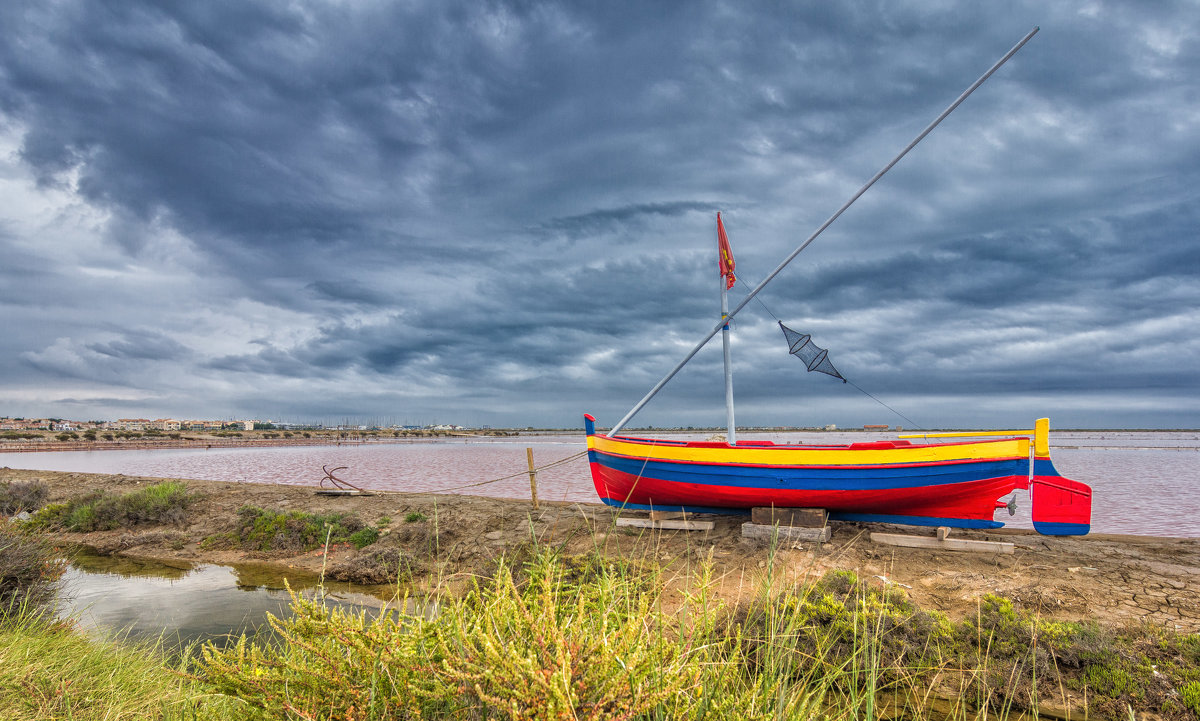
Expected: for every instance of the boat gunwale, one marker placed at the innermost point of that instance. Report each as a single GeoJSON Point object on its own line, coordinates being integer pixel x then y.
{"type": "Point", "coordinates": [815, 466]}
{"type": "Point", "coordinates": [717, 445]}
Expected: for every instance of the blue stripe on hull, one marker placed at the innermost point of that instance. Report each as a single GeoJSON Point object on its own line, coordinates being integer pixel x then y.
{"type": "Point", "coordinates": [1062, 529]}
{"type": "Point", "coordinates": [869, 478]}
{"type": "Point", "coordinates": [833, 515]}
{"type": "Point", "coordinates": [1043, 467]}
{"type": "Point", "coordinates": [913, 520]}
{"type": "Point", "coordinates": [687, 509]}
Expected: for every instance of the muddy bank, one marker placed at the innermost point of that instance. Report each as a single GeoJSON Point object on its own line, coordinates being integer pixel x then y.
{"type": "Point", "coordinates": [1108, 578]}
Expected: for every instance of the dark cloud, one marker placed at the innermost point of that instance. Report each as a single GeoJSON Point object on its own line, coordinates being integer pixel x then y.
{"type": "Point", "coordinates": [504, 212]}
{"type": "Point", "coordinates": [141, 346]}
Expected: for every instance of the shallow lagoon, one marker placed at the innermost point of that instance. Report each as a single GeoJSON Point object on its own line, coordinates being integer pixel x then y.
{"type": "Point", "coordinates": [184, 603]}
{"type": "Point", "coordinates": [1145, 482]}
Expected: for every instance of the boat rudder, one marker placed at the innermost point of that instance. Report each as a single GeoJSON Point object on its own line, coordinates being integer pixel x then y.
{"type": "Point", "coordinates": [1060, 506]}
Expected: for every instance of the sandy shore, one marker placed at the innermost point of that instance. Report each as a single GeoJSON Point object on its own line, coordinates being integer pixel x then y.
{"type": "Point", "coordinates": [1110, 578]}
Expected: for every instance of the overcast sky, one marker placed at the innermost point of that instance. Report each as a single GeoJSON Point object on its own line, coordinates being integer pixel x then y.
{"type": "Point", "coordinates": [504, 213]}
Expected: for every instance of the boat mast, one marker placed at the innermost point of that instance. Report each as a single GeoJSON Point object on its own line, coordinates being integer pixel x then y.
{"type": "Point", "coordinates": [749, 296]}
{"type": "Point", "coordinates": [731, 433]}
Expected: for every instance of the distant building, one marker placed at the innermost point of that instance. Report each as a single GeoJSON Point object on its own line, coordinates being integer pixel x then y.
{"type": "Point", "coordinates": [130, 424]}
{"type": "Point", "coordinates": [883, 427]}
{"type": "Point", "coordinates": [24, 424]}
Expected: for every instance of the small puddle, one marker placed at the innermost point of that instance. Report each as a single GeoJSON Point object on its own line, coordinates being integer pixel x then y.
{"type": "Point", "coordinates": [182, 603]}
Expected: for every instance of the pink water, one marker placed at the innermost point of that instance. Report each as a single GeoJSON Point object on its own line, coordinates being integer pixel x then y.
{"type": "Point", "coordinates": [1145, 483]}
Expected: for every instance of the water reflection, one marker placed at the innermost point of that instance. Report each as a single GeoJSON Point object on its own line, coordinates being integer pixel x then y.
{"type": "Point", "coordinates": [183, 603]}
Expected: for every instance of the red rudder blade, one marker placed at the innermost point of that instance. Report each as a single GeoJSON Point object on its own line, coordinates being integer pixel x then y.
{"type": "Point", "coordinates": [1061, 507]}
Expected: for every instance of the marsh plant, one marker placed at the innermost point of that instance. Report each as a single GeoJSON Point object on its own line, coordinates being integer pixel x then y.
{"type": "Point", "coordinates": [157, 504]}
{"type": "Point", "coordinates": [18, 496]}
{"type": "Point", "coordinates": [545, 635]}
{"type": "Point", "coordinates": [264, 529]}
{"type": "Point", "coordinates": [29, 573]}
{"type": "Point", "coordinates": [587, 637]}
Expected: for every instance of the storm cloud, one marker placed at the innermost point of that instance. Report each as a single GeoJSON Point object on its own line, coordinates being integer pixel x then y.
{"type": "Point", "coordinates": [504, 213]}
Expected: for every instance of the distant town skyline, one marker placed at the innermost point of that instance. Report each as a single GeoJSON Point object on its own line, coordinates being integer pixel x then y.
{"type": "Point", "coordinates": [504, 214]}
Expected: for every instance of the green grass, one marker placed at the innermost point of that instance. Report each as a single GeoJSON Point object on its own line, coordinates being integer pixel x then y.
{"type": "Point", "coordinates": [544, 635]}
{"type": "Point", "coordinates": [49, 671]}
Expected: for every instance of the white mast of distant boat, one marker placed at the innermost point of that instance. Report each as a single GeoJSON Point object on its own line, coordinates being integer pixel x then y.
{"type": "Point", "coordinates": [726, 317]}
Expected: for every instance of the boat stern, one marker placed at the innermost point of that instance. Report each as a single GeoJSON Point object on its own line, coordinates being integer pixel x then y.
{"type": "Point", "coordinates": [1059, 506]}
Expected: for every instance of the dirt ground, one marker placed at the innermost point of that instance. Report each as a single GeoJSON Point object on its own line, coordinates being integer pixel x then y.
{"type": "Point", "coordinates": [1113, 579]}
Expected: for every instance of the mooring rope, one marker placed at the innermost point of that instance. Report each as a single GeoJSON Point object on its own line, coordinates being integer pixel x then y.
{"type": "Point", "coordinates": [559, 462]}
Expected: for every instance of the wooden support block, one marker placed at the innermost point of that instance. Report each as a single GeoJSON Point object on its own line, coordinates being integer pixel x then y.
{"type": "Point", "coordinates": [948, 544]}
{"type": "Point", "coordinates": [665, 515]}
{"type": "Point", "coordinates": [943, 532]}
{"type": "Point", "coordinates": [667, 525]}
{"type": "Point", "coordinates": [785, 533]}
{"type": "Point", "coordinates": [794, 517]}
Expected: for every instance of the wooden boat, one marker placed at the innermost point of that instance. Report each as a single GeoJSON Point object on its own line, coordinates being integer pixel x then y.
{"type": "Point", "coordinates": [955, 483]}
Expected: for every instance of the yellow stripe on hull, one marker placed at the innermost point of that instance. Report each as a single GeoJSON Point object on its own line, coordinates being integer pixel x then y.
{"type": "Point", "coordinates": [815, 456]}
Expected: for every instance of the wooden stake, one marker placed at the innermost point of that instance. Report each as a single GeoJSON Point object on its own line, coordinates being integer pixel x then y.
{"type": "Point", "coordinates": [532, 477]}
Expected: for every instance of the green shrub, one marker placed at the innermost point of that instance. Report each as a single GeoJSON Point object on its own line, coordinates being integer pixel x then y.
{"type": "Point", "coordinates": [161, 503]}
{"type": "Point", "coordinates": [379, 565]}
{"type": "Point", "coordinates": [22, 496]}
{"type": "Point", "coordinates": [220, 541]}
{"type": "Point", "coordinates": [267, 530]}
{"type": "Point", "coordinates": [47, 517]}
{"type": "Point", "coordinates": [1190, 695]}
{"type": "Point", "coordinates": [539, 650]}
{"type": "Point", "coordinates": [414, 517]}
{"type": "Point", "coordinates": [19, 436]}
{"type": "Point", "coordinates": [364, 537]}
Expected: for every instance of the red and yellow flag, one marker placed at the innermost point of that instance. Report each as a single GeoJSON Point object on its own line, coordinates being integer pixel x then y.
{"type": "Point", "coordinates": [726, 259]}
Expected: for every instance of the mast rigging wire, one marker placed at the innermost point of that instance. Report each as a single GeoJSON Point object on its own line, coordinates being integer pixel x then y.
{"type": "Point", "coordinates": [754, 293]}
{"type": "Point", "coordinates": [913, 424]}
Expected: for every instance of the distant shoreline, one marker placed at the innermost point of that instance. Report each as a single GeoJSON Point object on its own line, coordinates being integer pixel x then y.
{"type": "Point", "coordinates": [48, 442]}
{"type": "Point", "coordinates": [246, 439]}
